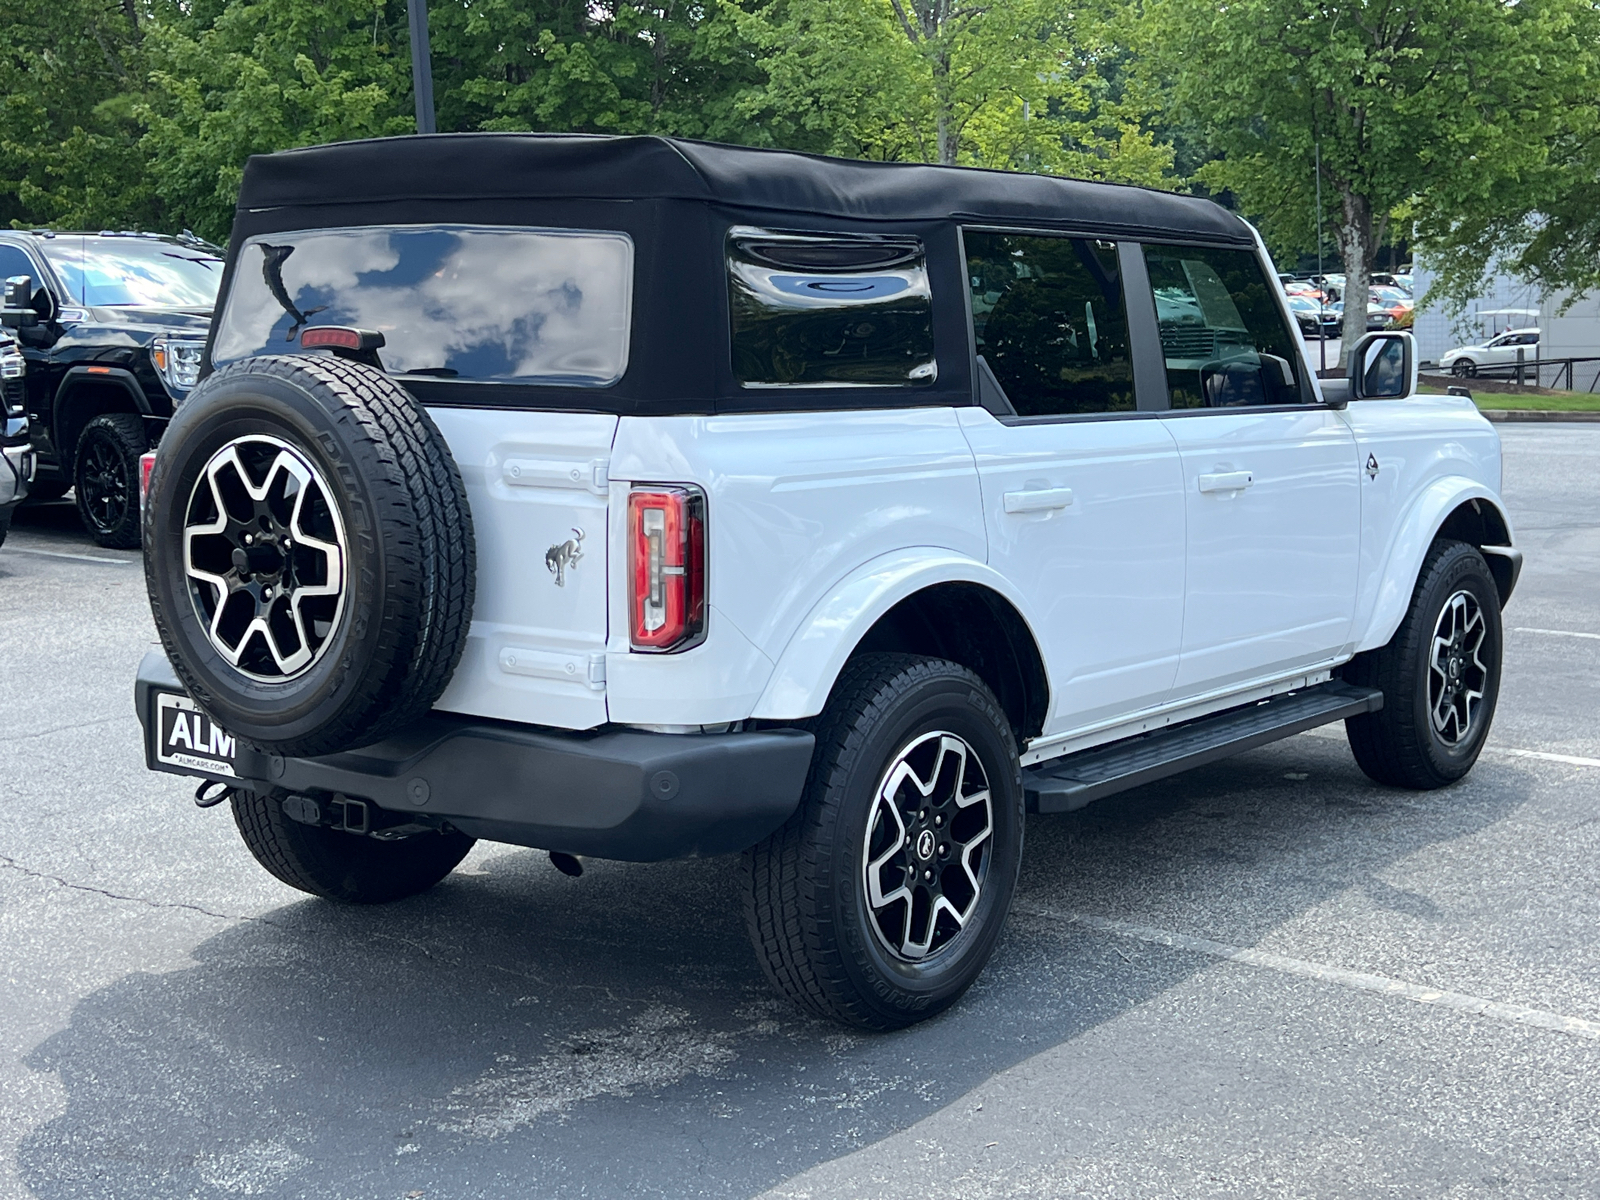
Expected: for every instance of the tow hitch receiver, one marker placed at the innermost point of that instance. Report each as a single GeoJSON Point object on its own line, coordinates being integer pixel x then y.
{"type": "Point", "coordinates": [355, 816]}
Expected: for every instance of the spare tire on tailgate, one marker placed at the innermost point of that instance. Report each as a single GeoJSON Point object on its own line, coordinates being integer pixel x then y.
{"type": "Point", "coordinates": [308, 553]}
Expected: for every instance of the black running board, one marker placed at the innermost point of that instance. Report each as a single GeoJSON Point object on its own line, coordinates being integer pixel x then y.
{"type": "Point", "coordinates": [1063, 784]}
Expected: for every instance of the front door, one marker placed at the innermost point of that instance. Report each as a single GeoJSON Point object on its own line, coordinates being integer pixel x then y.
{"type": "Point", "coordinates": [1271, 479]}
{"type": "Point", "coordinates": [1082, 492]}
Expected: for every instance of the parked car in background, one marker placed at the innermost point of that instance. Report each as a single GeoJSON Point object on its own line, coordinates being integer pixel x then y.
{"type": "Point", "coordinates": [1496, 354]}
{"type": "Point", "coordinates": [112, 326]}
{"type": "Point", "coordinates": [1315, 319]}
{"type": "Point", "coordinates": [16, 458]}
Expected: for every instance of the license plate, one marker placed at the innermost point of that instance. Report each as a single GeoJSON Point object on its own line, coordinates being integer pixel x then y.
{"type": "Point", "coordinates": [189, 740]}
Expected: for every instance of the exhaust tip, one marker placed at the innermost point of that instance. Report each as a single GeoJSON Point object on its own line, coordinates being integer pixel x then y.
{"type": "Point", "coordinates": [567, 864]}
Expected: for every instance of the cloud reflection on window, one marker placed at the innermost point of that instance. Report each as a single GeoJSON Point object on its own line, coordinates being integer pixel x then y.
{"type": "Point", "coordinates": [471, 302]}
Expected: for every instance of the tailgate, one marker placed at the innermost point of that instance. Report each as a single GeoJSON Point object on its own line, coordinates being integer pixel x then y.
{"type": "Point", "coordinates": [537, 485]}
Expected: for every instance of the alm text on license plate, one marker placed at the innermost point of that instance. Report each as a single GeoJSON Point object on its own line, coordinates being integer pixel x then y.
{"type": "Point", "coordinates": [188, 739]}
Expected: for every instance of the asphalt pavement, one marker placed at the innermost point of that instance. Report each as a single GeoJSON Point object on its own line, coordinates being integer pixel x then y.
{"type": "Point", "coordinates": [1266, 978]}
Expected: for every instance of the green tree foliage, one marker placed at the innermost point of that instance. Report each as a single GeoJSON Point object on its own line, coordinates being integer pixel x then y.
{"type": "Point", "coordinates": [1436, 105]}
{"type": "Point", "coordinates": [1019, 84]}
{"type": "Point", "coordinates": [70, 74]}
{"type": "Point", "coordinates": [262, 76]}
{"type": "Point", "coordinates": [141, 113]}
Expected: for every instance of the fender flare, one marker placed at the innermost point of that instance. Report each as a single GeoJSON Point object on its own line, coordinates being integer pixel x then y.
{"type": "Point", "coordinates": [1415, 534]}
{"type": "Point", "coordinates": [817, 651]}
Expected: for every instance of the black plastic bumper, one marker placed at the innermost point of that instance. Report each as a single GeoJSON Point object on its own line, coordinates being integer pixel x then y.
{"type": "Point", "coordinates": [619, 793]}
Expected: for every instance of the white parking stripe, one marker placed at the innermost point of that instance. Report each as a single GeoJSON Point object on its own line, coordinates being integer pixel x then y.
{"type": "Point", "coordinates": [1594, 637]}
{"type": "Point", "coordinates": [1361, 981]}
{"type": "Point", "coordinates": [1572, 760]}
{"type": "Point", "coordinates": [120, 562]}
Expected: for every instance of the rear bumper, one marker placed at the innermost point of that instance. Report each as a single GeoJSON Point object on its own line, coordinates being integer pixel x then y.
{"type": "Point", "coordinates": [642, 797]}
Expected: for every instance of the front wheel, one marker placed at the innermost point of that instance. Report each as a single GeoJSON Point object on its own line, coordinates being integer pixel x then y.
{"type": "Point", "coordinates": [1463, 368]}
{"type": "Point", "coordinates": [1440, 676]}
{"type": "Point", "coordinates": [107, 478]}
{"type": "Point", "coordinates": [879, 902]}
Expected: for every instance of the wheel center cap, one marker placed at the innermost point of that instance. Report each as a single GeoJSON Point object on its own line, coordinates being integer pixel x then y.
{"type": "Point", "coordinates": [925, 845]}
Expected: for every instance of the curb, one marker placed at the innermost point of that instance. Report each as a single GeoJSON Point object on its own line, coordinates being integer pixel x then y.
{"type": "Point", "coordinates": [1514, 415]}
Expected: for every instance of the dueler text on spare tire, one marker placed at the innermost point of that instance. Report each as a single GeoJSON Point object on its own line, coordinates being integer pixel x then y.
{"type": "Point", "coordinates": [309, 553]}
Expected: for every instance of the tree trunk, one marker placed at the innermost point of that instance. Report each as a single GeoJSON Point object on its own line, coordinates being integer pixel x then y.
{"type": "Point", "coordinates": [1354, 236]}
{"type": "Point", "coordinates": [949, 139]}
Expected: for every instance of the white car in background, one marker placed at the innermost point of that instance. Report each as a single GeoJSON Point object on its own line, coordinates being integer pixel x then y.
{"type": "Point", "coordinates": [1496, 353]}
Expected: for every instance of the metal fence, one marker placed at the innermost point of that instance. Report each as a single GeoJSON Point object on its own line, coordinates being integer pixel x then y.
{"type": "Point", "coordinates": [1547, 372]}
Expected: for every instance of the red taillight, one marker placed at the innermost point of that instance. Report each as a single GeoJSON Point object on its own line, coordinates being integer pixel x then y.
{"type": "Point", "coordinates": [340, 337]}
{"type": "Point", "coordinates": [666, 567]}
{"type": "Point", "coordinates": [147, 463]}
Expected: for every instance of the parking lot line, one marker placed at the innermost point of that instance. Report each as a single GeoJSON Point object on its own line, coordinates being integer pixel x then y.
{"type": "Point", "coordinates": [1595, 637]}
{"type": "Point", "coordinates": [1572, 760]}
{"type": "Point", "coordinates": [120, 562]}
{"type": "Point", "coordinates": [1361, 981]}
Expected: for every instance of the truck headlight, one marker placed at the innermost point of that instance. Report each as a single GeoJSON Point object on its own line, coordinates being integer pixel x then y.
{"type": "Point", "coordinates": [178, 363]}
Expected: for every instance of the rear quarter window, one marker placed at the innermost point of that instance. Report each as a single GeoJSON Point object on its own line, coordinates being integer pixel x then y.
{"type": "Point", "coordinates": [814, 311]}
{"type": "Point", "coordinates": [487, 303]}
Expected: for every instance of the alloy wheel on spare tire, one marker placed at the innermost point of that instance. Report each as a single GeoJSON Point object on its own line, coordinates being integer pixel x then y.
{"type": "Point", "coordinates": [308, 553]}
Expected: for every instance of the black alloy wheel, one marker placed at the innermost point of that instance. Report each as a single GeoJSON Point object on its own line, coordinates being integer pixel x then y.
{"type": "Point", "coordinates": [1464, 368]}
{"type": "Point", "coordinates": [106, 476]}
{"type": "Point", "coordinates": [1440, 676]}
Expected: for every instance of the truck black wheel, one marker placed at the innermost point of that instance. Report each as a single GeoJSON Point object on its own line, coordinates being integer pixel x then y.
{"type": "Point", "coordinates": [337, 865]}
{"type": "Point", "coordinates": [5, 523]}
{"type": "Point", "coordinates": [880, 900]}
{"type": "Point", "coordinates": [309, 553]}
{"type": "Point", "coordinates": [106, 475]}
{"type": "Point", "coordinates": [1440, 676]}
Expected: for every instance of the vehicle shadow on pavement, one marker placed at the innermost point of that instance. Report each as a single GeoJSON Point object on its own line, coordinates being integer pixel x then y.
{"type": "Point", "coordinates": [517, 1033]}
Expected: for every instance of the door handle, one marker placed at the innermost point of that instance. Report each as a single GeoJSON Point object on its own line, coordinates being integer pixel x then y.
{"type": "Point", "coordinates": [1226, 481]}
{"type": "Point", "coordinates": [1041, 500]}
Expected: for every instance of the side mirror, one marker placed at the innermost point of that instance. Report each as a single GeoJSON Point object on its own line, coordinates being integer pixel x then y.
{"type": "Point", "coordinates": [1383, 366]}
{"type": "Point", "coordinates": [19, 312]}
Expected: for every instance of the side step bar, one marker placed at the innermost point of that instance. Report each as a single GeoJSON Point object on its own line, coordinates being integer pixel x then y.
{"type": "Point", "coordinates": [1064, 784]}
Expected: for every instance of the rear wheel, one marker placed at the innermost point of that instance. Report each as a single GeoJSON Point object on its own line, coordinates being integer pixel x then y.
{"type": "Point", "coordinates": [881, 899]}
{"type": "Point", "coordinates": [107, 478]}
{"type": "Point", "coordinates": [1440, 676]}
{"type": "Point", "coordinates": [343, 866]}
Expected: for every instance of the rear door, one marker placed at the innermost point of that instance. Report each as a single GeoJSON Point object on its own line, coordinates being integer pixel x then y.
{"type": "Point", "coordinates": [1270, 477]}
{"type": "Point", "coordinates": [537, 483]}
{"type": "Point", "coordinates": [1082, 491]}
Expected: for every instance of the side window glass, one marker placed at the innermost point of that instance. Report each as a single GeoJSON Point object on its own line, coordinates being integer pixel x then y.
{"type": "Point", "coordinates": [1223, 334]}
{"type": "Point", "coordinates": [14, 262]}
{"type": "Point", "coordinates": [828, 311]}
{"type": "Point", "coordinates": [1049, 324]}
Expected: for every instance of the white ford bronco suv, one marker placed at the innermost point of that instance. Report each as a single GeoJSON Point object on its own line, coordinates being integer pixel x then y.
{"type": "Point", "coordinates": [639, 499]}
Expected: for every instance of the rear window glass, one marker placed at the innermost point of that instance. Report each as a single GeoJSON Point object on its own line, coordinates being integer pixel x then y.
{"type": "Point", "coordinates": [452, 301]}
{"type": "Point", "coordinates": [819, 311]}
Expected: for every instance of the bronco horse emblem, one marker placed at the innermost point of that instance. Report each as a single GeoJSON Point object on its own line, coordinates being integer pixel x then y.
{"type": "Point", "coordinates": [566, 554]}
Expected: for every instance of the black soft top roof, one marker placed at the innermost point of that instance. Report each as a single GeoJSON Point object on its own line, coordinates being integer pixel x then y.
{"type": "Point", "coordinates": [528, 166]}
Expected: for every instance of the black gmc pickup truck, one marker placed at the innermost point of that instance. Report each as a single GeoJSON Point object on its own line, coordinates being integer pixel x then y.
{"type": "Point", "coordinates": [112, 326]}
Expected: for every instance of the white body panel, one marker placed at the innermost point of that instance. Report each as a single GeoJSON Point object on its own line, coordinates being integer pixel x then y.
{"type": "Point", "coordinates": [1431, 454]}
{"type": "Point", "coordinates": [796, 504]}
{"type": "Point", "coordinates": [1274, 512]}
{"type": "Point", "coordinates": [536, 652]}
{"type": "Point", "coordinates": [1165, 567]}
{"type": "Point", "coordinates": [1086, 519]}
